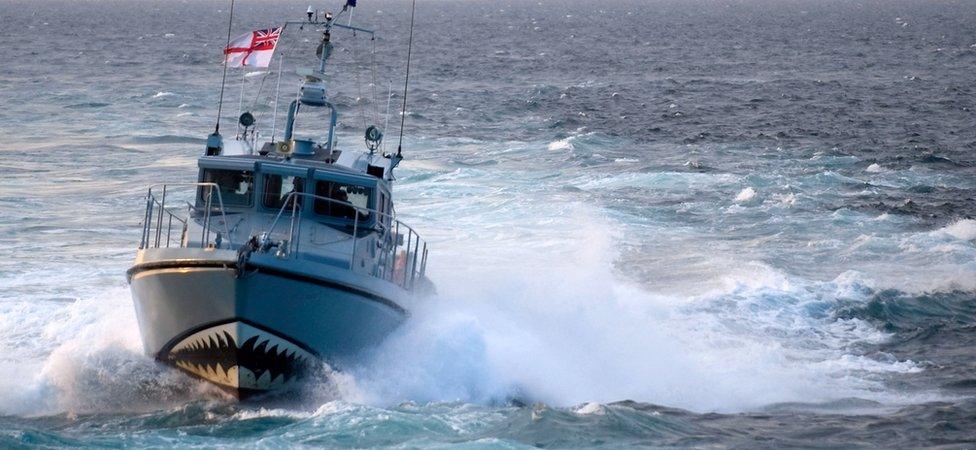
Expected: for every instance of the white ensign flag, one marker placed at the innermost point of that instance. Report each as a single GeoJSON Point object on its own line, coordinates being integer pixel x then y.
{"type": "Point", "coordinates": [254, 49]}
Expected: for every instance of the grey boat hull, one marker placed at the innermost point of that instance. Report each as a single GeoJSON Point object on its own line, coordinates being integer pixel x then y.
{"type": "Point", "coordinates": [261, 329]}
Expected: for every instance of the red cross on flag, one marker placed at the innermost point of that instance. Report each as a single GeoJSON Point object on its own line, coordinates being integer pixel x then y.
{"type": "Point", "coordinates": [253, 49]}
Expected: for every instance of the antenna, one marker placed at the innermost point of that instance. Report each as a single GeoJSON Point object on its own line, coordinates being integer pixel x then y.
{"type": "Point", "coordinates": [223, 80]}
{"type": "Point", "coordinates": [406, 81]}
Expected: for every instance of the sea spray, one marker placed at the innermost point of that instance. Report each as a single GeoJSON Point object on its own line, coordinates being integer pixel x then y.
{"type": "Point", "coordinates": [565, 329]}
{"type": "Point", "coordinates": [90, 360]}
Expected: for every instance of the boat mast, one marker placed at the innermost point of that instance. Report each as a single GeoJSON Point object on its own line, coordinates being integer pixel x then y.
{"type": "Point", "coordinates": [313, 89]}
{"type": "Point", "coordinates": [406, 82]}
{"type": "Point", "coordinates": [214, 143]}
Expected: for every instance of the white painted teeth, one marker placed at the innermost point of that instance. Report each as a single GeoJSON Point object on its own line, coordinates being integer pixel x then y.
{"type": "Point", "coordinates": [214, 355]}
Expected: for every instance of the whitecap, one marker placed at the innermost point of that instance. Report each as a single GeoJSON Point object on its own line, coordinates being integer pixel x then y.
{"type": "Point", "coordinates": [786, 199]}
{"type": "Point", "coordinates": [963, 230]}
{"type": "Point", "coordinates": [591, 408]}
{"type": "Point", "coordinates": [745, 195]}
{"type": "Point", "coordinates": [562, 144]}
{"type": "Point", "coordinates": [874, 168]}
{"type": "Point", "coordinates": [162, 94]}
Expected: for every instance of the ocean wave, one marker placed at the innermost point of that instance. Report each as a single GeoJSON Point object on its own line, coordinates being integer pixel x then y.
{"type": "Point", "coordinates": [88, 359]}
{"type": "Point", "coordinates": [527, 335]}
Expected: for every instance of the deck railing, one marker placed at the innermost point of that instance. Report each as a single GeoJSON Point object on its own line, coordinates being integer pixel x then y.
{"type": "Point", "coordinates": [401, 257]}
{"type": "Point", "coordinates": [159, 220]}
{"type": "Point", "coordinates": [402, 253]}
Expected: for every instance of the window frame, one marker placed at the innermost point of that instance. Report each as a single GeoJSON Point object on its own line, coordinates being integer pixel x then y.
{"type": "Point", "coordinates": [265, 169]}
{"type": "Point", "coordinates": [202, 178]}
{"type": "Point", "coordinates": [266, 176]}
{"type": "Point", "coordinates": [332, 177]}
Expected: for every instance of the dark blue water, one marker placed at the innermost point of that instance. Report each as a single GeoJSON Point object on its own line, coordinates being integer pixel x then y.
{"type": "Point", "coordinates": [664, 224]}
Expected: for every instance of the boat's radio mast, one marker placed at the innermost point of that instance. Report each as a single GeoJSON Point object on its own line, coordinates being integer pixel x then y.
{"type": "Point", "coordinates": [214, 141]}
{"type": "Point", "coordinates": [406, 80]}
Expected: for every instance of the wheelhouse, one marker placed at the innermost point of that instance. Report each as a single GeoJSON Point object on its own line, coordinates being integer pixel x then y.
{"type": "Point", "coordinates": [324, 193]}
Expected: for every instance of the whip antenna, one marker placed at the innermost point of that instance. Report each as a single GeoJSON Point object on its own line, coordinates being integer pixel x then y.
{"type": "Point", "coordinates": [223, 80]}
{"type": "Point", "coordinates": [406, 81]}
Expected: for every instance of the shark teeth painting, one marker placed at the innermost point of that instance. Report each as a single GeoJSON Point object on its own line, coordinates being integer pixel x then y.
{"type": "Point", "coordinates": [240, 358]}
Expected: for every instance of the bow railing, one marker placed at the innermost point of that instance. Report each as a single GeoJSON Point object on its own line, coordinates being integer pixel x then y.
{"type": "Point", "coordinates": [399, 255]}
{"type": "Point", "coordinates": [161, 223]}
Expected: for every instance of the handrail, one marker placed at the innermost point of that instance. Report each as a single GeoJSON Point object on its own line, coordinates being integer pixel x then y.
{"type": "Point", "coordinates": [290, 197]}
{"type": "Point", "coordinates": [401, 258]}
{"type": "Point", "coordinates": [152, 202]}
{"type": "Point", "coordinates": [389, 259]}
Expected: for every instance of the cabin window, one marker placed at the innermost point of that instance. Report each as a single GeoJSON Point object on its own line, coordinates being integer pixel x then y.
{"type": "Point", "coordinates": [236, 187]}
{"type": "Point", "coordinates": [347, 198]}
{"type": "Point", "coordinates": [277, 188]}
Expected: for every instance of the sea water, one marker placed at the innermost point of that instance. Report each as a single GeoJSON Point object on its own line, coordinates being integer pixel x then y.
{"type": "Point", "coordinates": [670, 223]}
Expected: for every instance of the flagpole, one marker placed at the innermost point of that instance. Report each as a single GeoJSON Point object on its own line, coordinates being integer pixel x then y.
{"type": "Point", "coordinates": [240, 106]}
{"type": "Point", "coordinates": [274, 118]}
{"type": "Point", "coordinates": [223, 79]}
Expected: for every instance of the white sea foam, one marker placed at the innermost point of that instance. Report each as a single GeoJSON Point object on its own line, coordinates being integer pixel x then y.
{"type": "Point", "coordinates": [562, 144]}
{"type": "Point", "coordinates": [676, 181]}
{"type": "Point", "coordinates": [162, 94]}
{"type": "Point", "coordinates": [563, 328]}
{"type": "Point", "coordinates": [745, 195]}
{"type": "Point", "coordinates": [546, 339]}
{"type": "Point", "coordinates": [90, 359]}
{"type": "Point", "coordinates": [874, 168]}
{"type": "Point", "coordinates": [590, 408]}
{"type": "Point", "coordinates": [963, 229]}
{"type": "Point", "coordinates": [939, 260]}
{"type": "Point", "coordinates": [785, 199]}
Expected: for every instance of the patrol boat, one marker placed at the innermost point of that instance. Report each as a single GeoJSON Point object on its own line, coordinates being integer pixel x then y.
{"type": "Point", "coordinates": [285, 258]}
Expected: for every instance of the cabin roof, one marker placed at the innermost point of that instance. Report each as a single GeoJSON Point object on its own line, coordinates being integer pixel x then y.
{"type": "Point", "coordinates": [242, 161]}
